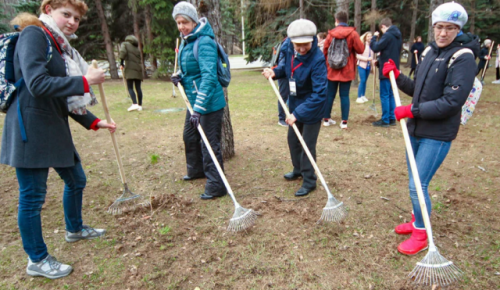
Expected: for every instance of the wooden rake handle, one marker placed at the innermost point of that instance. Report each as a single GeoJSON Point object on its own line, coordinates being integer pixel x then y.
{"type": "Point", "coordinates": [301, 139]}
{"type": "Point", "coordinates": [413, 163]}
{"type": "Point", "coordinates": [416, 57]}
{"type": "Point", "coordinates": [108, 119]}
{"type": "Point", "coordinates": [487, 61]}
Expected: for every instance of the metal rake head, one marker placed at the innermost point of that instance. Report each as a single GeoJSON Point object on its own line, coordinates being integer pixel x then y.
{"type": "Point", "coordinates": [242, 219]}
{"type": "Point", "coordinates": [334, 211]}
{"type": "Point", "coordinates": [128, 200]}
{"type": "Point", "coordinates": [434, 269]}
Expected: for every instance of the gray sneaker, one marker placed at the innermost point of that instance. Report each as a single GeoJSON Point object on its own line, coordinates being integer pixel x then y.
{"type": "Point", "coordinates": [87, 233]}
{"type": "Point", "coordinates": [48, 267]}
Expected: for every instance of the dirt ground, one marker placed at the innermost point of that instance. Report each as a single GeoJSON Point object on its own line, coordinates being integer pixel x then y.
{"type": "Point", "coordinates": [181, 242]}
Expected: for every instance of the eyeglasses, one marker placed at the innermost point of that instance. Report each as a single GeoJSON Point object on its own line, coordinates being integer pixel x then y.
{"type": "Point", "coordinates": [447, 29]}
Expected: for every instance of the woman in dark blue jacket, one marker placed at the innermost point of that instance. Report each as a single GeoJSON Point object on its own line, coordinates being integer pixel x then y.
{"type": "Point", "coordinates": [304, 67]}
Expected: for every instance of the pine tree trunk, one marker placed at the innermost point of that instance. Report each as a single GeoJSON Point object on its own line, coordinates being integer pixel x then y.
{"type": "Point", "coordinates": [211, 10]}
{"type": "Point", "coordinates": [357, 24]}
{"type": "Point", "coordinates": [374, 7]}
{"type": "Point", "coordinates": [472, 15]}
{"type": "Point", "coordinates": [147, 15]}
{"type": "Point", "coordinates": [432, 5]}
{"type": "Point", "coordinates": [137, 34]}
{"type": "Point", "coordinates": [107, 40]}
{"type": "Point", "coordinates": [411, 55]}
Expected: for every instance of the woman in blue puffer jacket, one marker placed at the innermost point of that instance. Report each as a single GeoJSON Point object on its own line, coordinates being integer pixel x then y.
{"type": "Point", "coordinates": [198, 76]}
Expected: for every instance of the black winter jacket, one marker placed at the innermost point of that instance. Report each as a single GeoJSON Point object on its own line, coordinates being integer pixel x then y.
{"type": "Point", "coordinates": [440, 92]}
{"type": "Point", "coordinates": [389, 47]}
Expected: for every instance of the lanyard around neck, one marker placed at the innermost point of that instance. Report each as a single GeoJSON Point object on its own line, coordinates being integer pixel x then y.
{"type": "Point", "coordinates": [293, 69]}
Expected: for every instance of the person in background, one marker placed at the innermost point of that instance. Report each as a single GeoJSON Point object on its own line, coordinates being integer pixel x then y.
{"type": "Point", "coordinates": [389, 46]}
{"type": "Point", "coordinates": [365, 61]}
{"type": "Point", "coordinates": [438, 94]}
{"type": "Point", "coordinates": [340, 79]}
{"type": "Point", "coordinates": [52, 91]}
{"type": "Point", "coordinates": [483, 57]}
{"type": "Point", "coordinates": [321, 40]}
{"type": "Point", "coordinates": [283, 85]}
{"type": "Point", "coordinates": [205, 94]}
{"type": "Point", "coordinates": [497, 65]}
{"type": "Point", "coordinates": [130, 54]}
{"type": "Point", "coordinates": [304, 67]}
{"type": "Point", "coordinates": [417, 48]}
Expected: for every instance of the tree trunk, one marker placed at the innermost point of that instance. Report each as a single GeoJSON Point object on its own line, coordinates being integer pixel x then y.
{"type": "Point", "coordinates": [343, 5]}
{"type": "Point", "coordinates": [107, 40]}
{"type": "Point", "coordinates": [211, 10]}
{"type": "Point", "coordinates": [472, 16]}
{"type": "Point", "coordinates": [357, 24]}
{"type": "Point", "coordinates": [137, 34]}
{"type": "Point", "coordinates": [411, 55]}
{"type": "Point", "coordinates": [147, 15]}
{"type": "Point", "coordinates": [374, 7]}
{"type": "Point", "coordinates": [432, 5]}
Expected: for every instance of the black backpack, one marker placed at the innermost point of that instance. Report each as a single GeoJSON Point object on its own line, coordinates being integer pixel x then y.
{"type": "Point", "coordinates": [338, 53]}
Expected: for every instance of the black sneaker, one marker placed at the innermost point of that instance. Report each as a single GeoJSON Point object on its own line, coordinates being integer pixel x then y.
{"type": "Point", "coordinates": [392, 123]}
{"type": "Point", "coordinates": [380, 123]}
{"type": "Point", "coordinates": [282, 123]}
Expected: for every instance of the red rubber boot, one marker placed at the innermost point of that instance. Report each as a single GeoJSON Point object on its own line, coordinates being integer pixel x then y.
{"type": "Point", "coordinates": [407, 228]}
{"type": "Point", "coordinates": [416, 243]}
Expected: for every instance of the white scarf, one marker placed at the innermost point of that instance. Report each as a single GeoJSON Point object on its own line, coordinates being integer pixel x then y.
{"type": "Point", "coordinates": [75, 66]}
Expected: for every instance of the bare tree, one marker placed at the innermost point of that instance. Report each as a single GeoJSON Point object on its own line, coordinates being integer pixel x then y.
{"type": "Point", "coordinates": [432, 5]}
{"type": "Point", "coordinates": [134, 5]}
{"type": "Point", "coordinates": [472, 16]}
{"type": "Point", "coordinates": [357, 24]}
{"type": "Point", "coordinates": [211, 10]}
{"type": "Point", "coordinates": [374, 7]}
{"type": "Point", "coordinates": [411, 55]}
{"type": "Point", "coordinates": [107, 40]}
{"type": "Point", "coordinates": [147, 15]}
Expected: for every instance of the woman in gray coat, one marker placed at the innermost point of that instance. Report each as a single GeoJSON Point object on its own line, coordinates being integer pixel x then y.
{"type": "Point", "coordinates": [36, 133]}
{"type": "Point", "coordinates": [131, 60]}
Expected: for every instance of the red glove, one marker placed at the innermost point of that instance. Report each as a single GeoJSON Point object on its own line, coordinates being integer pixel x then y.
{"type": "Point", "coordinates": [388, 66]}
{"type": "Point", "coordinates": [403, 111]}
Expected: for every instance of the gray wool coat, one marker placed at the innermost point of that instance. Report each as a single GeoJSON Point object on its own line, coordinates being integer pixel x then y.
{"type": "Point", "coordinates": [44, 107]}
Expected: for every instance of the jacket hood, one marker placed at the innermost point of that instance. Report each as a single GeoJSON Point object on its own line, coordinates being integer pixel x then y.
{"type": "Point", "coordinates": [341, 32]}
{"type": "Point", "coordinates": [132, 40]}
{"type": "Point", "coordinates": [394, 31]}
{"type": "Point", "coordinates": [202, 29]}
{"type": "Point", "coordinates": [466, 40]}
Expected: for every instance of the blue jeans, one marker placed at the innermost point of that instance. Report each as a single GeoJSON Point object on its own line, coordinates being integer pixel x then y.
{"type": "Point", "coordinates": [32, 191]}
{"type": "Point", "coordinates": [364, 73]}
{"type": "Point", "coordinates": [429, 154]}
{"type": "Point", "coordinates": [284, 87]}
{"type": "Point", "coordinates": [387, 101]}
{"type": "Point", "coordinates": [331, 91]}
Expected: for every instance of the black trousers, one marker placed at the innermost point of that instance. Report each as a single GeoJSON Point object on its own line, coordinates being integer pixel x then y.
{"type": "Point", "coordinates": [300, 161]}
{"type": "Point", "coordinates": [198, 159]}
{"type": "Point", "coordinates": [284, 87]}
{"type": "Point", "coordinates": [498, 73]}
{"type": "Point", "coordinates": [130, 86]}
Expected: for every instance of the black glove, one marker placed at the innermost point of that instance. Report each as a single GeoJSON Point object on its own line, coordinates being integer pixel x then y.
{"type": "Point", "coordinates": [195, 119]}
{"type": "Point", "coordinates": [176, 79]}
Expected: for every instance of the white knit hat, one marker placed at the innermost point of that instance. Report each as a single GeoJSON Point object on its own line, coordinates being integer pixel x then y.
{"type": "Point", "coordinates": [185, 9]}
{"type": "Point", "coordinates": [450, 12]}
{"type": "Point", "coordinates": [301, 31]}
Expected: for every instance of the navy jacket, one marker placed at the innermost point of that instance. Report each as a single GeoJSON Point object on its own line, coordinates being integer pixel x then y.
{"type": "Point", "coordinates": [389, 47]}
{"type": "Point", "coordinates": [440, 92]}
{"type": "Point", "coordinates": [419, 47]}
{"type": "Point", "coordinates": [482, 61]}
{"type": "Point", "coordinates": [309, 104]}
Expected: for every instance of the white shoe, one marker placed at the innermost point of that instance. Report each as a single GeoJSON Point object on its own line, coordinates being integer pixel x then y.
{"type": "Point", "coordinates": [48, 267]}
{"type": "Point", "coordinates": [364, 99]}
{"type": "Point", "coordinates": [133, 107]}
{"type": "Point", "coordinates": [343, 125]}
{"type": "Point", "coordinates": [360, 100]}
{"type": "Point", "coordinates": [496, 82]}
{"type": "Point", "coordinates": [329, 122]}
{"type": "Point", "coordinates": [139, 109]}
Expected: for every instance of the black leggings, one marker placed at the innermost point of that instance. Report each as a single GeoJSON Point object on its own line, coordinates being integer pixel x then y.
{"type": "Point", "coordinates": [130, 86]}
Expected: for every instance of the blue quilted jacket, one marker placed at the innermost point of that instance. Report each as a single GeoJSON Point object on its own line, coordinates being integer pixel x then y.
{"type": "Point", "coordinates": [199, 78]}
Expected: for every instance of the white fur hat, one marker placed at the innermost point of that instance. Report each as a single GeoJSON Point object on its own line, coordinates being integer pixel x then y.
{"type": "Point", "coordinates": [450, 12]}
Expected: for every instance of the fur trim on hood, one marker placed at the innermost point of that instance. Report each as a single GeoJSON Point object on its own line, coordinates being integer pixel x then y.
{"type": "Point", "coordinates": [24, 20]}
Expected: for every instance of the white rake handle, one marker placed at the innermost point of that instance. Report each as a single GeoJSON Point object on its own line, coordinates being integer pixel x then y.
{"type": "Point", "coordinates": [413, 166]}
{"type": "Point", "coordinates": [416, 57]}
{"type": "Point", "coordinates": [302, 142]}
{"type": "Point", "coordinates": [207, 144]}
{"type": "Point", "coordinates": [113, 137]}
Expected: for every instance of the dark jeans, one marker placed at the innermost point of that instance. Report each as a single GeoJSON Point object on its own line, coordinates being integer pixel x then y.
{"type": "Point", "coordinates": [130, 86]}
{"type": "Point", "coordinates": [284, 87]}
{"type": "Point", "coordinates": [364, 73]}
{"type": "Point", "coordinates": [300, 161]}
{"type": "Point", "coordinates": [387, 101]}
{"type": "Point", "coordinates": [343, 88]}
{"type": "Point", "coordinates": [429, 155]}
{"type": "Point", "coordinates": [32, 191]}
{"type": "Point", "coordinates": [198, 159]}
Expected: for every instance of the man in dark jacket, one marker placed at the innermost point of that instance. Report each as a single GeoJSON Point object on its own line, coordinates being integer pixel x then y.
{"type": "Point", "coordinates": [304, 68]}
{"type": "Point", "coordinates": [389, 47]}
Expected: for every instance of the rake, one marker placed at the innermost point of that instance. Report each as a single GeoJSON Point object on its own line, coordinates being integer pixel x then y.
{"type": "Point", "coordinates": [243, 218]}
{"type": "Point", "coordinates": [334, 211]}
{"type": "Point", "coordinates": [175, 66]}
{"type": "Point", "coordinates": [486, 65]}
{"type": "Point", "coordinates": [434, 269]}
{"type": "Point", "coordinates": [372, 106]}
{"type": "Point", "coordinates": [128, 198]}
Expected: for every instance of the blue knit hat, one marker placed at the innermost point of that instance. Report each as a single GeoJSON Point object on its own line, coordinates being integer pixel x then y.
{"type": "Point", "coordinates": [185, 9]}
